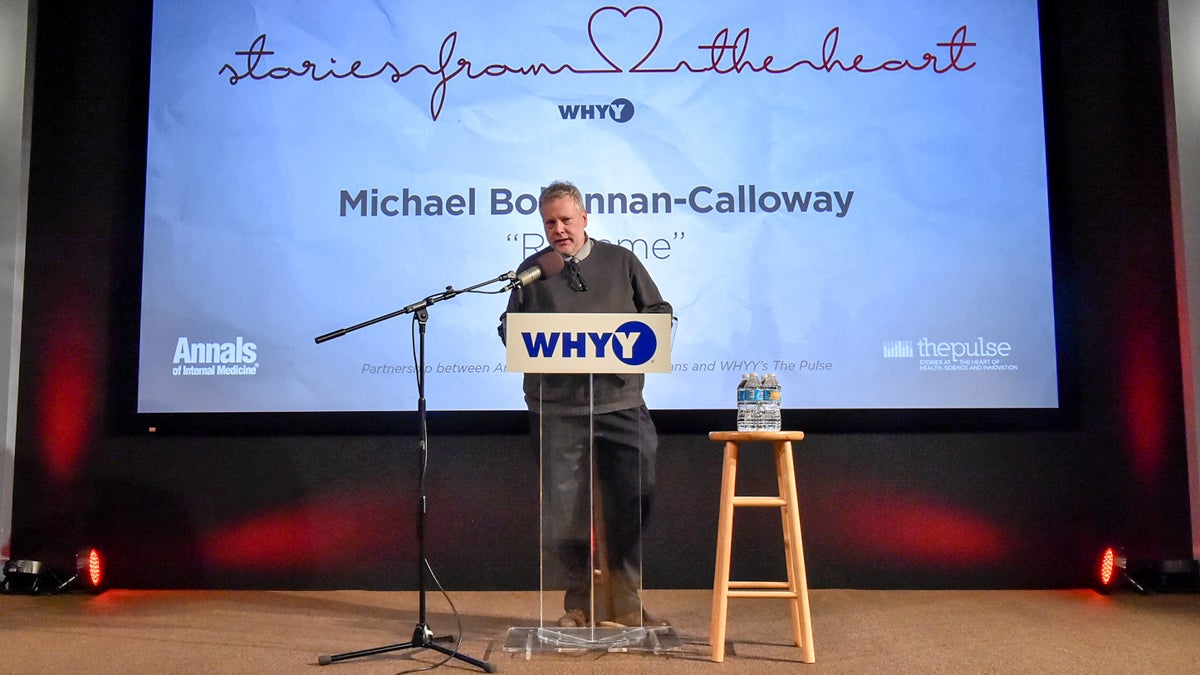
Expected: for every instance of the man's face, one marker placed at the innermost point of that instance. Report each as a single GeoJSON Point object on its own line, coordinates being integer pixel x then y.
{"type": "Point", "coordinates": [564, 223]}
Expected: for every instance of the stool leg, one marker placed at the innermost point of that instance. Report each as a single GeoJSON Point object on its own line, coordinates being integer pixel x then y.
{"type": "Point", "coordinates": [720, 609]}
{"type": "Point", "coordinates": [789, 539]}
{"type": "Point", "coordinates": [797, 576]}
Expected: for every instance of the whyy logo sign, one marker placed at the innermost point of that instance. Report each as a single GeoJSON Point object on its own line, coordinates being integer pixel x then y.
{"type": "Point", "coordinates": [589, 343]}
{"type": "Point", "coordinates": [620, 111]}
{"type": "Point", "coordinates": [632, 343]}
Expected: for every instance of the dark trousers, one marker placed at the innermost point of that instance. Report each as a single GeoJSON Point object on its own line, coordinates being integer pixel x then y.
{"type": "Point", "coordinates": [622, 447]}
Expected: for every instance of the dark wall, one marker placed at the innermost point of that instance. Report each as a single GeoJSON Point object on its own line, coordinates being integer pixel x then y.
{"type": "Point", "coordinates": [957, 502]}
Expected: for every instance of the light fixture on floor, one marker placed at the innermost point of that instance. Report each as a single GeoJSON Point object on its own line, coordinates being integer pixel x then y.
{"type": "Point", "coordinates": [1115, 569]}
{"type": "Point", "coordinates": [36, 577]}
{"type": "Point", "coordinates": [1146, 575]}
{"type": "Point", "coordinates": [27, 576]}
{"type": "Point", "coordinates": [90, 574]}
{"type": "Point", "coordinates": [1112, 570]}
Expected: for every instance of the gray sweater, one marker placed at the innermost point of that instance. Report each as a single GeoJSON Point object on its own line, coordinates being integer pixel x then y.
{"type": "Point", "coordinates": [617, 283]}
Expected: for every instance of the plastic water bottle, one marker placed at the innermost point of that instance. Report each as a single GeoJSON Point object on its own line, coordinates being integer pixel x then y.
{"type": "Point", "coordinates": [754, 396]}
{"type": "Point", "coordinates": [748, 397]}
{"type": "Point", "coordinates": [772, 403]}
{"type": "Point", "coordinates": [743, 403]}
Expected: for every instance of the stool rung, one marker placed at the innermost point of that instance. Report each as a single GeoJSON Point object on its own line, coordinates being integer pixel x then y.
{"type": "Point", "coordinates": [759, 584]}
{"type": "Point", "coordinates": [760, 594]}
{"type": "Point", "coordinates": [759, 501]}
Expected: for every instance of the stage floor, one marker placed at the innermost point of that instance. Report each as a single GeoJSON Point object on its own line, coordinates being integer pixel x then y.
{"type": "Point", "coordinates": [124, 631]}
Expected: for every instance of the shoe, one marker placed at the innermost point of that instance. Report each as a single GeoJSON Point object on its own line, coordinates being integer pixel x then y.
{"type": "Point", "coordinates": [631, 619]}
{"type": "Point", "coordinates": [574, 618]}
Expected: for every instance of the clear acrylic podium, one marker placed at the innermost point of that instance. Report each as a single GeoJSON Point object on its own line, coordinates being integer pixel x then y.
{"type": "Point", "coordinates": [591, 503]}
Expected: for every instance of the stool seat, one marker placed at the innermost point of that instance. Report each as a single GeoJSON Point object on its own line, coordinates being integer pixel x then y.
{"type": "Point", "coordinates": [795, 589]}
{"type": "Point", "coordinates": [738, 436]}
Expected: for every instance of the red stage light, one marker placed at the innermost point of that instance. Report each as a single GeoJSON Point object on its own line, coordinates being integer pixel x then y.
{"type": "Point", "coordinates": [89, 568]}
{"type": "Point", "coordinates": [36, 577]}
{"type": "Point", "coordinates": [1108, 570]}
{"type": "Point", "coordinates": [1112, 569]}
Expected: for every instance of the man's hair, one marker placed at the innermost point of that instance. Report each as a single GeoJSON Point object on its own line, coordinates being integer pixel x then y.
{"type": "Point", "coordinates": [559, 189]}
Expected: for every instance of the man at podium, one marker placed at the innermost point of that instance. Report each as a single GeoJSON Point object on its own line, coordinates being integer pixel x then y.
{"type": "Point", "coordinates": [597, 277]}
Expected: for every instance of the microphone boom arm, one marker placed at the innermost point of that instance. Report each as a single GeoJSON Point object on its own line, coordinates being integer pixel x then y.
{"type": "Point", "coordinates": [450, 292]}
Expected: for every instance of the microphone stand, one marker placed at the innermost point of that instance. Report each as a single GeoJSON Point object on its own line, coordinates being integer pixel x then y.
{"type": "Point", "coordinates": [422, 637]}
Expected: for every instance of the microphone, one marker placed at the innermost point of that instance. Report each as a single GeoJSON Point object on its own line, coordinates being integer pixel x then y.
{"type": "Point", "coordinates": [547, 265]}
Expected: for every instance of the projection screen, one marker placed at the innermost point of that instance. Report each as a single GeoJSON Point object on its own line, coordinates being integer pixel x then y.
{"type": "Point", "coordinates": [850, 195]}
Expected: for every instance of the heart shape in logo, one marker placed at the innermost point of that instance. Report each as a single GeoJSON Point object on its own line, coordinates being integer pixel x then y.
{"type": "Point", "coordinates": [641, 21]}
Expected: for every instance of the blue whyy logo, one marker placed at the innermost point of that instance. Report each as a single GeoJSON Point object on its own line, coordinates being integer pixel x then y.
{"type": "Point", "coordinates": [620, 111]}
{"type": "Point", "coordinates": [632, 343]}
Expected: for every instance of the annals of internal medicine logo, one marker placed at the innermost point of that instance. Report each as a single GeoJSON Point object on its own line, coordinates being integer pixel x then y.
{"type": "Point", "coordinates": [198, 357]}
{"type": "Point", "coordinates": [620, 110]}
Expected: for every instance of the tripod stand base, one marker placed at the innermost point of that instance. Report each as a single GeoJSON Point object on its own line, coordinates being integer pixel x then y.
{"type": "Point", "coordinates": [422, 639]}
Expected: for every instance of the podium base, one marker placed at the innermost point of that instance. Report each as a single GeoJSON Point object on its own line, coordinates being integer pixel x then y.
{"type": "Point", "coordinates": [536, 640]}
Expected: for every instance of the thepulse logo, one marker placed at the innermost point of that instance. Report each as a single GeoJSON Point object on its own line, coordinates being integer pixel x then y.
{"type": "Point", "coordinates": [967, 349]}
{"type": "Point", "coordinates": [620, 111]}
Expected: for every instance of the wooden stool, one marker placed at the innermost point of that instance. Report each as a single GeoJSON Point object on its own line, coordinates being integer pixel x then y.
{"type": "Point", "coordinates": [796, 587]}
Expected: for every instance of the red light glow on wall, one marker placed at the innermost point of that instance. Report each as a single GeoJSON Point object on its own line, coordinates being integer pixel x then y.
{"type": "Point", "coordinates": [1143, 404]}
{"type": "Point", "coordinates": [913, 528]}
{"type": "Point", "coordinates": [326, 530]}
{"type": "Point", "coordinates": [66, 411]}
